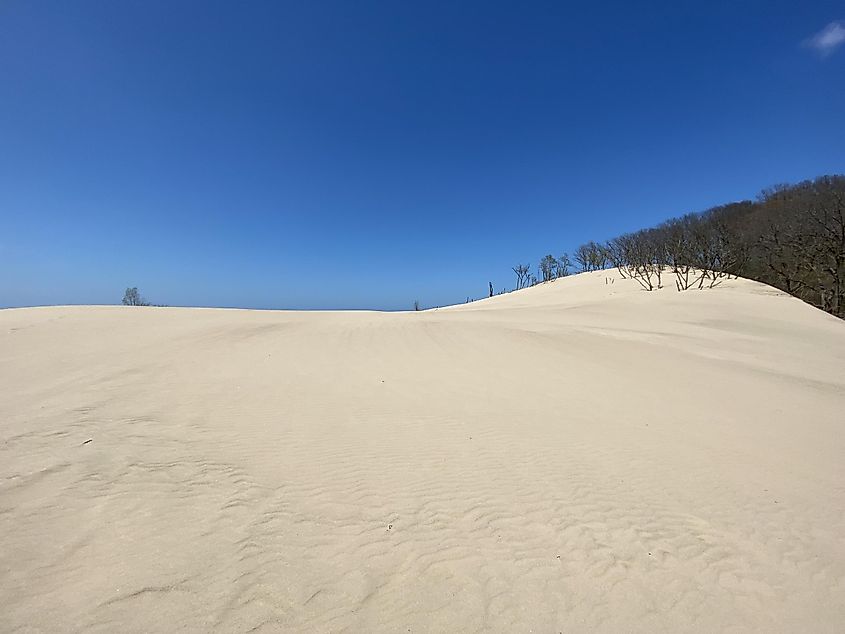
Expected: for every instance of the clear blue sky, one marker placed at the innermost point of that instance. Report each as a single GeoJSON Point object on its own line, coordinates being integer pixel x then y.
{"type": "Point", "coordinates": [367, 154]}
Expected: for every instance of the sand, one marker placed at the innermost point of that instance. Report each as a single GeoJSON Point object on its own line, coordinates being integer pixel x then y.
{"type": "Point", "coordinates": [581, 456]}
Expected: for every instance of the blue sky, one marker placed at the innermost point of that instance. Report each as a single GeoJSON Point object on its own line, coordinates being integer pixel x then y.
{"type": "Point", "coordinates": [367, 154]}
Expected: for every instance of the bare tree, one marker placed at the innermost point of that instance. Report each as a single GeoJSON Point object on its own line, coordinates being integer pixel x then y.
{"type": "Point", "coordinates": [616, 252]}
{"type": "Point", "coordinates": [825, 254]}
{"type": "Point", "coordinates": [133, 298]}
{"type": "Point", "coordinates": [791, 236]}
{"type": "Point", "coordinates": [548, 268]}
{"type": "Point", "coordinates": [582, 257]}
{"type": "Point", "coordinates": [591, 257]}
{"type": "Point", "coordinates": [563, 265]}
{"type": "Point", "coordinates": [523, 274]}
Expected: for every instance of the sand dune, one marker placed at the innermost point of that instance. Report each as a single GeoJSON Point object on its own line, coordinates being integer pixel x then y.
{"type": "Point", "coordinates": [579, 456]}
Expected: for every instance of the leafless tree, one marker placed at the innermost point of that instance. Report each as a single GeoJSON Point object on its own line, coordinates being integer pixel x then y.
{"type": "Point", "coordinates": [548, 268]}
{"type": "Point", "coordinates": [791, 236]}
{"type": "Point", "coordinates": [132, 297]}
{"type": "Point", "coordinates": [523, 275]}
{"type": "Point", "coordinates": [563, 265]}
{"type": "Point", "coordinates": [591, 257]}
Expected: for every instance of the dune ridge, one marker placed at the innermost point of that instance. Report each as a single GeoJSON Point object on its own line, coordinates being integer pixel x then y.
{"type": "Point", "coordinates": [577, 456]}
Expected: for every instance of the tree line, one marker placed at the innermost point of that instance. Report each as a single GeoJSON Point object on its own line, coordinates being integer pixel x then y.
{"type": "Point", "coordinates": [791, 237]}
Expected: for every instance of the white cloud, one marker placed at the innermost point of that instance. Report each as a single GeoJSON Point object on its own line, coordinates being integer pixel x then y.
{"type": "Point", "coordinates": [828, 39]}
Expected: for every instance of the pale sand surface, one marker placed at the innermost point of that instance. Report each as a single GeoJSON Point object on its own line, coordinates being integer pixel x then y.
{"type": "Point", "coordinates": [575, 457]}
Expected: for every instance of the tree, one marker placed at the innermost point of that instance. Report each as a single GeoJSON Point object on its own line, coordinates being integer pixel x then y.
{"type": "Point", "coordinates": [548, 268]}
{"type": "Point", "coordinates": [591, 257]}
{"type": "Point", "coordinates": [523, 275]}
{"type": "Point", "coordinates": [133, 298]}
{"type": "Point", "coordinates": [563, 265]}
{"type": "Point", "coordinates": [823, 248]}
{"type": "Point", "coordinates": [791, 237]}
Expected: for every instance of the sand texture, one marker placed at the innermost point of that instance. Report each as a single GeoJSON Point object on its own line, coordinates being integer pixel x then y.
{"type": "Point", "coordinates": [580, 456]}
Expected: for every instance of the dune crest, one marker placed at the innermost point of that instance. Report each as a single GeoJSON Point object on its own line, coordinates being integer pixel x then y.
{"type": "Point", "coordinates": [577, 456]}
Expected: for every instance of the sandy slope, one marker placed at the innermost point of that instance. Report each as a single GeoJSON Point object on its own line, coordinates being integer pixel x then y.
{"type": "Point", "coordinates": [579, 456]}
